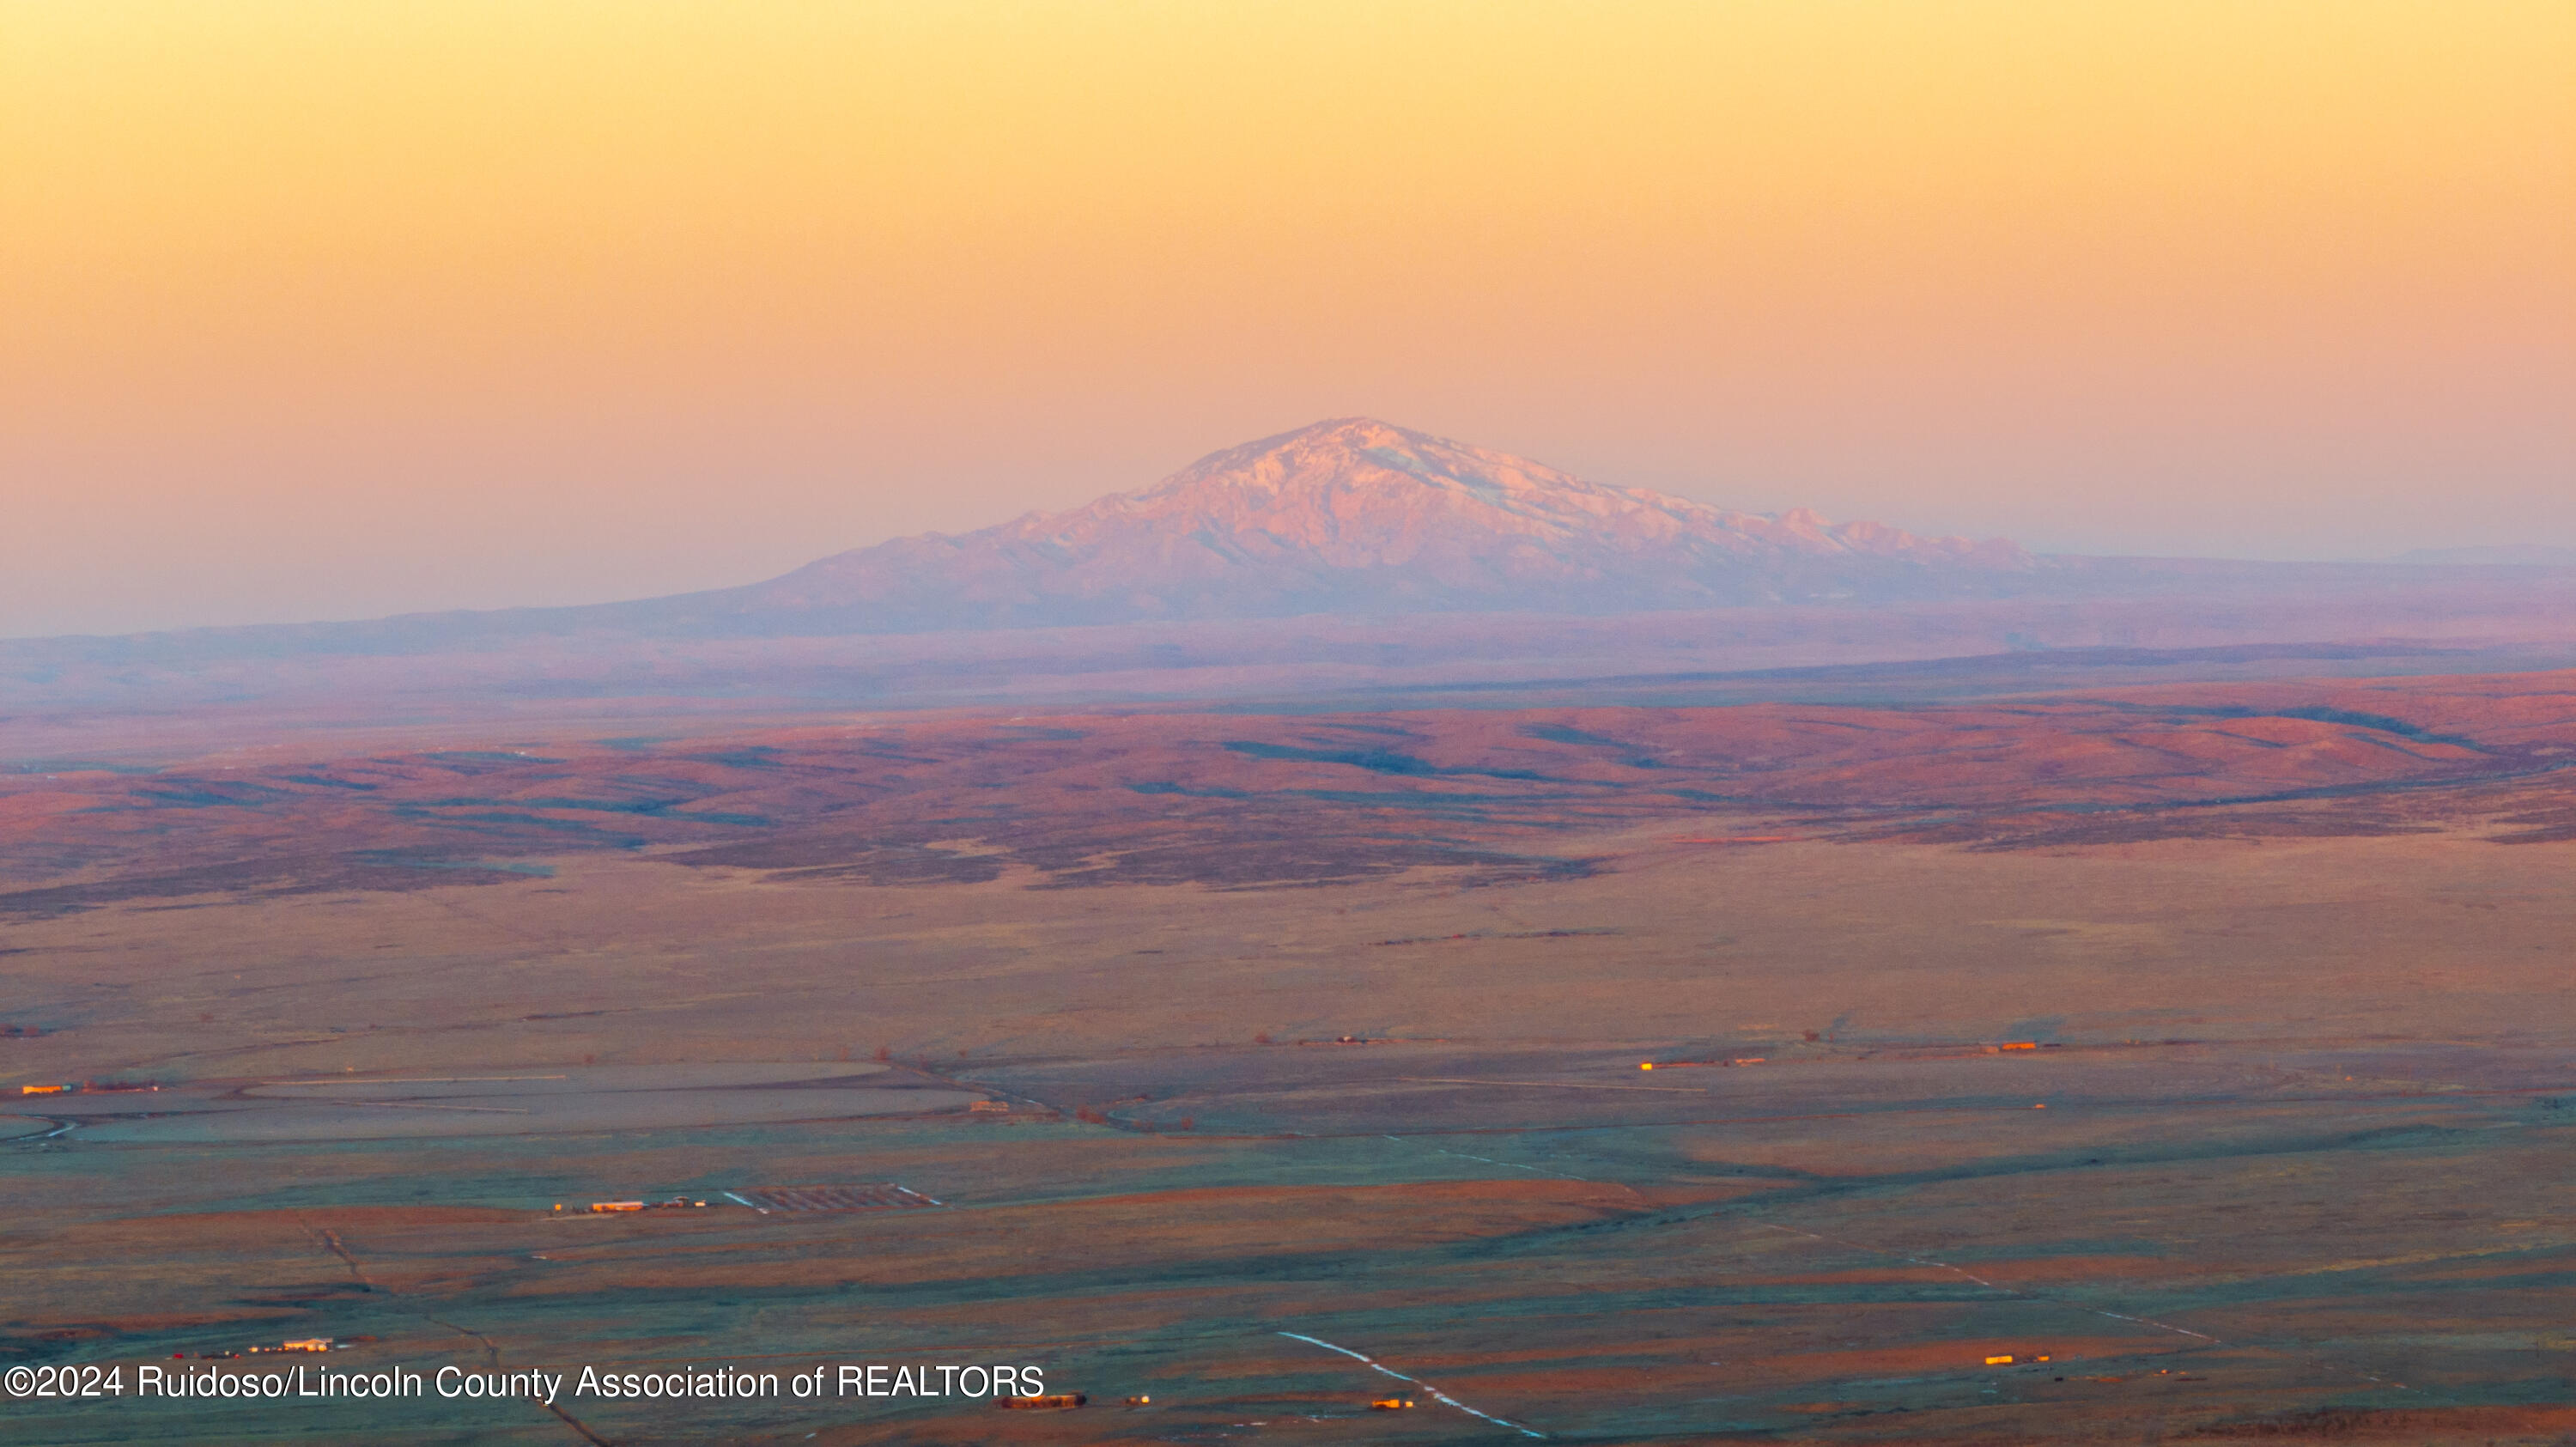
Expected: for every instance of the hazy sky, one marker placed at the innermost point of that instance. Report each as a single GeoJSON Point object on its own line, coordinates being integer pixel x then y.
{"type": "Point", "coordinates": [337, 308]}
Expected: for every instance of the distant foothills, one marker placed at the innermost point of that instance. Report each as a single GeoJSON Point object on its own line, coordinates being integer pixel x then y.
{"type": "Point", "coordinates": [1350, 518]}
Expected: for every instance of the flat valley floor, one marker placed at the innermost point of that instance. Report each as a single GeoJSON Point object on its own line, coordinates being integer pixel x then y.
{"type": "Point", "coordinates": [2211, 1058]}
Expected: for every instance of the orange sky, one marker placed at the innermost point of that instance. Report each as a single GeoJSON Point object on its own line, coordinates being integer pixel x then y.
{"type": "Point", "coordinates": [327, 310]}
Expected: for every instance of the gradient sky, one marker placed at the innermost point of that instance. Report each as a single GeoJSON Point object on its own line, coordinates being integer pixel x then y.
{"type": "Point", "coordinates": [339, 308]}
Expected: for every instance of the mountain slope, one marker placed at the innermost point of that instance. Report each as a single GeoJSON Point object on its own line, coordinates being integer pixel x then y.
{"type": "Point", "coordinates": [1364, 520]}
{"type": "Point", "coordinates": [1356, 516]}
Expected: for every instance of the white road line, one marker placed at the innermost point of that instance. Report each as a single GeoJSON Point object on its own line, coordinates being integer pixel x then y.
{"type": "Point", "coordinates": [1990, 1286]}
{"type": "Point", "coordinates": [1489, 1160]}
{"type": "Point", "coordinates": [2069, 1304]}
{"type": "Point", "coordinates": [2142, 1321]}
{"type": "Point", "coordinates": [2029, 1296]}
{"type": "Point", "coordinates": [1438, 1394]}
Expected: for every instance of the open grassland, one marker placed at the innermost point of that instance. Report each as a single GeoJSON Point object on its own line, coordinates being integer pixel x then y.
{"type": "Point", "coordinates": [2286, 1158]}
{"type": "Point", "coordinates": [1259, 800]}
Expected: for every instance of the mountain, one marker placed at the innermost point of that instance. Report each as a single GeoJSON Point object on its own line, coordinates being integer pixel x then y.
{"type": "Point", "coordinates": [1357, 516]}
{"type": "Point", "coordinates": [1330, 527]}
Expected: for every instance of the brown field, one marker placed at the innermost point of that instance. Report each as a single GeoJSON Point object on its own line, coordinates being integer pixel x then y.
{"type": "Point", "coordinates": [1324, 1028]}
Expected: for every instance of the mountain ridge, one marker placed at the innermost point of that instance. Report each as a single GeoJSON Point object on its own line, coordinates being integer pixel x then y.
{"type": "Point", "coordinates": [1358, 515]}
{"type": "Point", "coordinates": [1360, 519]}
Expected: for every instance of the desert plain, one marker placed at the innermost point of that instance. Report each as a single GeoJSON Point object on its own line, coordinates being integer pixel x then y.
{"type": "Point", "coordinates": [2202, 1049]}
